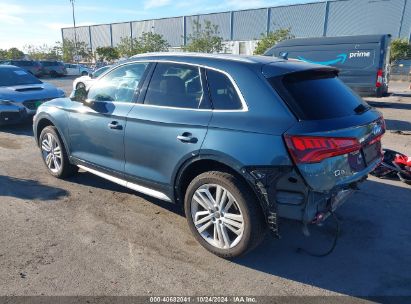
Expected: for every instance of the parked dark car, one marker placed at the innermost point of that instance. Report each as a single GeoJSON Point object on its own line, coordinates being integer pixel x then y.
{"type": "Point", "coordinates": [363, 61]}
{"type": "Point", "coordinates": [54, 68]}
{"type": "Point", "coordinates": [238, 141]}
{"type": "Point", "coordinates": [33, 67]}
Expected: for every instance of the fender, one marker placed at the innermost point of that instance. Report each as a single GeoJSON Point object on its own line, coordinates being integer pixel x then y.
{"type": "Point", "coordinates": [58, 126]}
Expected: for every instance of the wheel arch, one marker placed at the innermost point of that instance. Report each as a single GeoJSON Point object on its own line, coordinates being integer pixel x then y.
{"type": "Point", "coordinates": [195, 166]}
{"type": "Point", "coordinates": [45, 121]}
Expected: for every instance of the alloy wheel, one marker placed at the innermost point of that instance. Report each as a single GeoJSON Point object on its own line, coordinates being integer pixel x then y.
{"type": "Point", "coordinates": [51, 152]}
{"type": "Point", "coordinates": [217, 216]}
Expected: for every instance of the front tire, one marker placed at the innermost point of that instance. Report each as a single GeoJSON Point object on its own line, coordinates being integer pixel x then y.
{"type": "Point", "coordinates": [223, 214]}
{"type": "Point", "coordinates": [80, 85]}
{"type": "Point", "coordinates": [54, 153]}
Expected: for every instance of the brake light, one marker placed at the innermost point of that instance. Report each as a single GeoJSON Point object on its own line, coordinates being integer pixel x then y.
{"type": "Point", "coordinates": [378, 84]}
{"type": "Point", "coordinates": [313, 149]}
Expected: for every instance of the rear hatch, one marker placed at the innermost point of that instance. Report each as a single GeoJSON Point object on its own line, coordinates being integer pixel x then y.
{"type": "Point", "coordinates": [337, 139]}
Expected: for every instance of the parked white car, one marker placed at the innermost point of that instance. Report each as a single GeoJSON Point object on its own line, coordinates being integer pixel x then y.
{"type": "Point", "coordinates": [86, 80]}
{"type": "Point", "coordinates": [77, 69]}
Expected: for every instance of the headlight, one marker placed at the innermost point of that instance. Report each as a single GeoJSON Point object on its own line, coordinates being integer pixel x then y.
{"type": "Point", "coordinates": [61, 93]}
{"type": "Point", "coordinates": [6, 102]}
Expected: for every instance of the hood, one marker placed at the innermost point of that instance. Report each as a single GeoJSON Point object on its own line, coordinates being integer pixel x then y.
{"type": "Point", "coordinates": [21, 93]}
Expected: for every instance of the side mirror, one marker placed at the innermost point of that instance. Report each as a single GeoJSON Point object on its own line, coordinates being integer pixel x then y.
{"type": "Point", "coordinates": [79, 95]}
{"type": "Point", "coordinates": [90, 75]}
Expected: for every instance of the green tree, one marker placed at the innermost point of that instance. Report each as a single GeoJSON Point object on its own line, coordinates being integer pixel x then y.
{"type": "Point", "coordinates": [107, 53]}
{"type": "Point", "coordinates": [127, 47]}
{"type": "Point", "coordinates": [147, 43]}
{"type": "Point", "coordinates": [272, 38]}
{"type": "Point", "coordinates": [3, 54]}
{"type": "Point", "coordinates": [67, 50]}
{"type": "Point", "coordinates": [205, 39]}
{"type": "Point", "coordinates": [43, 52]}
{"type": "Point", "coordinates": [400, 49]}
{"type": "Point", "coordinates": [14, 53]}
{"type": "Point", "coordinates": [150, 42]}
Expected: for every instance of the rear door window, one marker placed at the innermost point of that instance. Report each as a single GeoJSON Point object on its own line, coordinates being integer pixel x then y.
{"type": "Point", "coordinates": [175, 85]}
{"type": "Point", "coordinates": [222, 91]}
{"type": "Point", "coordinates": [315, 95]}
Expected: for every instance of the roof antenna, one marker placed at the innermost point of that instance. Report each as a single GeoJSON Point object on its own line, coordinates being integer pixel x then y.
{"type": "Point", "coordinates": [284, 55]}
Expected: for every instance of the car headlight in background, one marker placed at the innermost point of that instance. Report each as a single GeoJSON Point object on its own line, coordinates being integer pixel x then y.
{"type": "Point", "coordinates": [61, 93]}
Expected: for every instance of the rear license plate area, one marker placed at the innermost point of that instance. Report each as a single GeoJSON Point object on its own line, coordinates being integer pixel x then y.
{"type": "Point", "coordinates": [372, 152]}
{"type": "Point", "coordinates": [356, 161]}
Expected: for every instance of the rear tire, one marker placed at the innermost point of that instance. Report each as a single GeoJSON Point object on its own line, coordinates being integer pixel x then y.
{"type": "Point", "coordinates": [54, 154]}
{"type": "Point", "coordinates": [84, 73]}
{"type": "Point", "coordinates": [53, 74]}
{"type": "Point", "coordinates": [233, 224]}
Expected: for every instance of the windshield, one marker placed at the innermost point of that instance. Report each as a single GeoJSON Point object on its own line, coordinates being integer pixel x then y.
{"type": "Point", "coordinates": [313, 95]}
{"type": "Point", "coordinates": [100, 71]}
{"type": "Point", "coordinates": [15, 76]}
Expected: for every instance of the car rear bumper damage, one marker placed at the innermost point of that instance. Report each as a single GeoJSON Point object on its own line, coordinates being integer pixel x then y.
{"type": "Point", "coordinates": [283, 193]}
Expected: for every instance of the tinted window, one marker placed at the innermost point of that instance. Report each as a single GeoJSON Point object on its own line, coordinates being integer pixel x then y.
{"type": "Point", "coordinates": [12, 77]}
{"type": "Point", "coordinates": [100, 71]}
{"type": "Point", "coordinates": [118, 85]}
{"type": "Point", "coordinates": [223, 94]}
{"type": "Point", "coordinates": [23, 63]}
{"type": "Point", "coordinates": [175, 85]}
{"type": "Point", "coordinates": [318, 95]}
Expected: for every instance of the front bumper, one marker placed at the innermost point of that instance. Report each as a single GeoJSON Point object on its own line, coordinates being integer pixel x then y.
{"type": "Point", "coordinates": [12, 117]}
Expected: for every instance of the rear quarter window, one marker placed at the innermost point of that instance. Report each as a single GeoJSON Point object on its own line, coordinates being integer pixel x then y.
{"type": "Point", "coordinates": [316, 95]}
{"type": "Point", "coordinates": [222, 92]}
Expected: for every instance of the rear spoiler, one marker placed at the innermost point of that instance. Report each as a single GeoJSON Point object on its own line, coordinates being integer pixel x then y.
{"type": "Point", "coordinates": [282, 68]}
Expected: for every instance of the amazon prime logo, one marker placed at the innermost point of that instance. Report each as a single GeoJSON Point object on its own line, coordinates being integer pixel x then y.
{"type": "Point", "coordinates": [359, 54]}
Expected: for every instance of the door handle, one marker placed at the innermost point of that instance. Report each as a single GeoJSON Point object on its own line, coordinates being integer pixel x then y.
{"type": "Point", "coordinates": [115, 125]}
{"type": "Point", "coordinates": [187, 137]}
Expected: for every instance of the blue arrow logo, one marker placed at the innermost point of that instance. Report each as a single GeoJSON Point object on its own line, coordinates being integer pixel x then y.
{"type": "Point", "coordinates": [340, 58]}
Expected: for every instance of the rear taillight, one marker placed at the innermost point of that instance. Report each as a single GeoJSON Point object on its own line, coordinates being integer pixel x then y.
{"type": "Point", "coordinates": [314, 149]}
{"type": "Point", "coordinates": [378, 84]}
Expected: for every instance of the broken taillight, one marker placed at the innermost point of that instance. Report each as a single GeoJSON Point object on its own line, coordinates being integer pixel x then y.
{"type": "Point", "coordinates": [314, 149]}
{"type": "Point", "coordinates": [378, 84]}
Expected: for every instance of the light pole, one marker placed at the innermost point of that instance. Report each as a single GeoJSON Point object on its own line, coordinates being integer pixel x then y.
{"type": "Point", "coordinates": [75, 32]}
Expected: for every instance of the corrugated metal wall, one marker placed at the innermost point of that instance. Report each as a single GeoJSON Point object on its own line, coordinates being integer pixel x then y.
{"type": "Point", "coordinates": [329, 18]}
{"type": "Point", "coordinates": [120, 30]}
{"type": "Point", "coordinates": [364, 17]}
{"type": "Point", "coordinates": [250, 25]}
{"type": "Point", "coordinates": [100, 35]}
{"type": "Point", "coordinates": [305, 20]}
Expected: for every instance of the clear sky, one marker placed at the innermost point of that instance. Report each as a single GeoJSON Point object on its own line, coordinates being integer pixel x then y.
{"type": "Point", "coordinates": [39, 22]}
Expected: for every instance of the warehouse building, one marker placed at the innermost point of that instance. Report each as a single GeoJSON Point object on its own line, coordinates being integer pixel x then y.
{"type": "Point", "coordinates": [241, 29]}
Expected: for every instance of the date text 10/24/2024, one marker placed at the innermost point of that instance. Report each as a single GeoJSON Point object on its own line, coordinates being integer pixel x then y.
{"type": "Point", "coordinates": [204, 299]}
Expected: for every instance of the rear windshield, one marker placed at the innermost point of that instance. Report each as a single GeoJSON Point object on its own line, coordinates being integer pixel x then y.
{"type": "Point", "coordinates": [13, 77]}
{"type": "Point", "coordinates": [313, 95]}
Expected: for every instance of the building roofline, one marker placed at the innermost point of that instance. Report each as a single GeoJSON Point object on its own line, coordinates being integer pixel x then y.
{"type": "Point", "coordinates": [202, 14]}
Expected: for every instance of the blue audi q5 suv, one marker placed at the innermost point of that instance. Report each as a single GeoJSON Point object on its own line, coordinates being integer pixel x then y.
{"type": "Point", "coordinates": [239, 142]}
